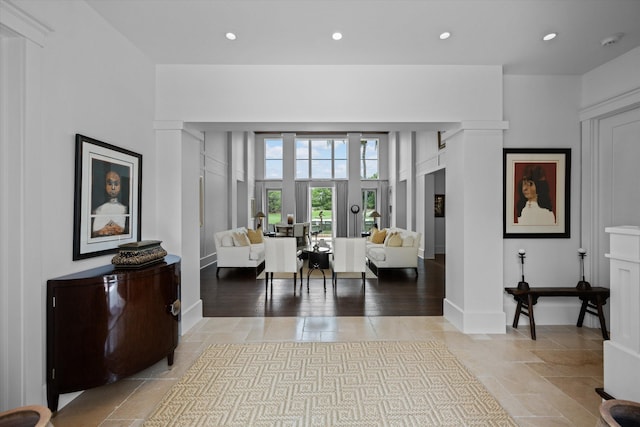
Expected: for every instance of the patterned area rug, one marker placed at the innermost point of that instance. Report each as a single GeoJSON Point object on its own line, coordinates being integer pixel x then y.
{"type": "Point", "coordinates": [329, 384]}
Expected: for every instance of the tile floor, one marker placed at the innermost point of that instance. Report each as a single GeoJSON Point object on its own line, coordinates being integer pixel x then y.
{"type": "Point", "coordinates": [547, 382]}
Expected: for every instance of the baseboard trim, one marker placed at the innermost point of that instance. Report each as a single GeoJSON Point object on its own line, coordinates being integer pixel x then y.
{"type": "Point", "coordinates": [207, 260]}
{"type": "Point", "coordinates": [453, 314]}
{"type": "Point", "coordinates": [190, 317]}
{"type": "Point", "coordinates": [474, 322]}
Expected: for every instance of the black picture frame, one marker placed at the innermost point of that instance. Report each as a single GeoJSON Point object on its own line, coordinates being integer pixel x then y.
{"type": "Point", "coordinates": [441, 144]}
{"type": "Point", "coordinates": [105, 215]}
{"type": "Point", "coordinates": [547, 214]}
{"type": "Point", "coordinates": [438, 206]}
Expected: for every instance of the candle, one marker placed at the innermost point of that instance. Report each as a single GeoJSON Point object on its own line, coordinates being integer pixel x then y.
{"type": "Point", "coordinates": [521, 251]}
{"type": "Point", "coordinates": [582, 251]}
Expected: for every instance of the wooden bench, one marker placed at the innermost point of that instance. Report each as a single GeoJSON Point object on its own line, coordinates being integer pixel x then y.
{"type": "Point", "coordinates": [592, 299]}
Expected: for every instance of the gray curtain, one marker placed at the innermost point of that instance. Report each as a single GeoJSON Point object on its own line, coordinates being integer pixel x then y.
{"type": "Point", "coordinates": [383, 203]}
{"type": "Point", "coordinates": [302, 201]}
{"type": "Point", "coordinates": [342, 214]}
{"type": "Point", "coordinates": [258, 194]}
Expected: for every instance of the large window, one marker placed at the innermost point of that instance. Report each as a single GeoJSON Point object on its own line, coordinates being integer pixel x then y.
{"type": "Point", "coordinates": [369, 158]}
{"type": "Point", "coordinates": [274, 206]}
{"type": "Point", "coordinates": [321, 158]}
{"type": "Point", "coordinates": [273, 158]}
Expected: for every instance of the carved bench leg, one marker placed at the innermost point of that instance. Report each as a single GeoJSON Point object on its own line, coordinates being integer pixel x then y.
{"type": "Point", "coordinates": [583, 311]}
{"type": "Point", "coordinates": [516, 317]}
{"type": "Point", "coordinates": [532, 322]}
{"type": "Point", "coordinates": [603, 323]}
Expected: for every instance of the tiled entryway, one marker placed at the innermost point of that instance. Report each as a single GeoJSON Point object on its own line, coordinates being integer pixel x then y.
{"type": "Point", "coordinates": [547, 382]}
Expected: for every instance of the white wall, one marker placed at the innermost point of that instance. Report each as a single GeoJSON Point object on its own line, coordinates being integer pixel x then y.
{"type": "Point", "coordinates": [616, 77]}
{"type": "Point", "coordinates": [95, 83]}
{"type": "Point", "coordinates": [610, 96]}
{"type": "Point", "coordinates": [430, 180]}
{"type": "Point", "coordinates": [542, 113]}
{"type": "Point", "coordinates": [216, 192]}
{"type": "Point", "coordinates": [282, 93]}
{"type": "Point", "coordinates": [440, 188]}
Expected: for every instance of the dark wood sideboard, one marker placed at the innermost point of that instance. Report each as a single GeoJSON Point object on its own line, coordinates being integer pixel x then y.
{"type": "Point", "coordinates": [107, 323]}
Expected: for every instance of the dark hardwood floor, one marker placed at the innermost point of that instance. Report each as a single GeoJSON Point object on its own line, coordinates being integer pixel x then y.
{"type": "Point", "coordinates": [237, 293]}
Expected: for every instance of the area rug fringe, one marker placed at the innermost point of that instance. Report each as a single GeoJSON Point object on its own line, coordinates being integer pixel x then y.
{"type": "Point", "coordinates": [380, 383]}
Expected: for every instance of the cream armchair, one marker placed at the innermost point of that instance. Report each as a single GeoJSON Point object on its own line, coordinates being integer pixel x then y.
{"type": "Point", "coordinates": [349, 256]}
{"type": "Point", "coordinates": [281, 256]}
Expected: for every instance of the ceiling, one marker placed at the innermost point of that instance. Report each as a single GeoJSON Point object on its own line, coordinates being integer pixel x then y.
{"type": "Point", "coordinates": [484, 32]}
{"type": "Point", "coordinates": [376, 32]}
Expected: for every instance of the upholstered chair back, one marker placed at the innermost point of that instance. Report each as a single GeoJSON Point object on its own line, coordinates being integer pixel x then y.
{"type": "Point", "coordinates": [280, 255]}
{"type": "Point", "coordinates": [349, 254]}
{"type": "Point", "coordinates": [298, 229]}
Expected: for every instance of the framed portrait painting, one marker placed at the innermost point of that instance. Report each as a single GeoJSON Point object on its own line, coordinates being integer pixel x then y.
{"type": "Point", "coordinates": [438, 206]}
{"type": "Point", "coordinates": [536, 192]}
{"type": "Point", "coordinates": [107, 204]}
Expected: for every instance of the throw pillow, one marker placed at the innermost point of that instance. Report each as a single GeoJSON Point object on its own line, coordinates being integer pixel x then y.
{"type": "Point", "coordinates": [227, 240]}
{"type": "Point", "coordinates": [408, 241]}
{"type": "Point", "coordinates": [255, 236]}
{"type": "Point", "coordinates": [378, 236]}
{"type": "Point", "coordinates": [240, 239]}
{"type": "Point", "coordinates": [395, 240]}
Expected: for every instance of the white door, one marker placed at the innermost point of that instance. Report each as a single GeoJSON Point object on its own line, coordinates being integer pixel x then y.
{"type": "Point", "coordinates": [619, 179]}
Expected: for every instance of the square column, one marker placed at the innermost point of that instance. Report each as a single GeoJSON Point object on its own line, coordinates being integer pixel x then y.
{"type": "Point", "coordinates": [474, 302]}
{"type": "Point", "coordinates": [177, 195]}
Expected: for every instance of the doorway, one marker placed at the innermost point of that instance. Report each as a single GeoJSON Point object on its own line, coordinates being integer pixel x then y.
{"type": "Point", "coordinates": [322, 209]}
{"type": "Point", "coordinates": [616, 172]}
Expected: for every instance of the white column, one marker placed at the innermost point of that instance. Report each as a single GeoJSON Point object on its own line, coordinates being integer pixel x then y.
{"type": "Point", "coordinates": [622, 351]}
{"type": "Point", "coordinates": [354, 222]}
{"type": "Point", "coordinates": [177, 209]}
{"type": "Point", "coordinates": [22, 285]}
{"type": "Point", "coordinates": [474, 302]}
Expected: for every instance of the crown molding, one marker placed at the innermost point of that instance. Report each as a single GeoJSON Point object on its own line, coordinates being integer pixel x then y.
{"type": "Point", "coordinates": [611, 105]}
{"type": "Point", "coordinates": [19, 22]}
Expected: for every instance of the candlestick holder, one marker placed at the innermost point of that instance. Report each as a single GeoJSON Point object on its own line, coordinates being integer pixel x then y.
{"type": "Point", "coordinates": [522, 285]}
{"type": "Point", "coordinates": [582, 284]}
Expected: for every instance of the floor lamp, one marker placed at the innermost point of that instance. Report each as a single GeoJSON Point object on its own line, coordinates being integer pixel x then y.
{"type": "Point", "coordinates": [375, 215]}
{"type": "Point", "coordinates": [260, 215]}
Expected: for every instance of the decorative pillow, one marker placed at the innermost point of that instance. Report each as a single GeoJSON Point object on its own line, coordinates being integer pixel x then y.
{"type": "Point", "coordinates": [395, 240]}
{"type": "Point", "coordinates": [378, 236]}
{"type": "Point", "coordinates": [408, 241]}
{"type": "Point", "coordinates": [255, 236]}
{"type": "Point", "coordinates": [227, 240]}
{"type": "Point", "coordinates": [389, 233]}
{"type": "Point", "coordinates": [240, 239]}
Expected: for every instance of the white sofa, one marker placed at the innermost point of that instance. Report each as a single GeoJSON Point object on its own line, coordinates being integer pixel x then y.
{"type": "Point", "coordinates": [383, 256]}
{"type": "Point", "coordinates": [231, 252]}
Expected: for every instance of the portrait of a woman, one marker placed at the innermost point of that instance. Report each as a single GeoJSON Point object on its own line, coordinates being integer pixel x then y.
{"type": "Point", "coordinates": [534, 205]}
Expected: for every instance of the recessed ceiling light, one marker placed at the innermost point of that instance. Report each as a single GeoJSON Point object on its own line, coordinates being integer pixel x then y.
{"type": "Point", "coordinates": [445, 35]}
{"type": "Point", "coordinates": [336, 36]}
{"type": "Point", "coordinates": [230, 36]}
{"type": "Point", "coordinates": [550, 36]}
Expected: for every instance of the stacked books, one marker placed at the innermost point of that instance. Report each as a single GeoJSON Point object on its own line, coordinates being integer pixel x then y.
{"type": "Point", "coordinates": [139, 254]}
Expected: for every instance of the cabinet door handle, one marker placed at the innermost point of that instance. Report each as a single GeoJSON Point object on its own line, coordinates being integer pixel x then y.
{"type": "Point", "coordinates": [174, 307]}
